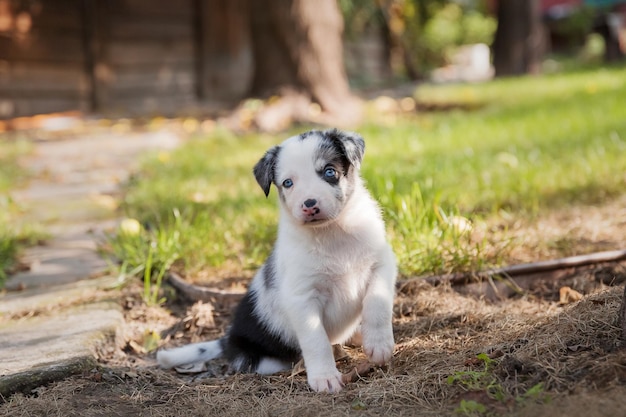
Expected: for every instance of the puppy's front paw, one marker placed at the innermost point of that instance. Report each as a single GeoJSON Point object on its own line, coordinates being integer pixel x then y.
{"type": "Point", "coordinates": [379, 347]}
{"type": "Point", "coordinates": [328, 381]}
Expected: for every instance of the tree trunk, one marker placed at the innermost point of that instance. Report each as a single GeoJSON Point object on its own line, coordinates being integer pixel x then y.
{"type": "Point", "coordinates": [298, 53]}
{"type": "Point", "coordinates": [224, 60]}
{"type": "Point", "coordinates": [518, 45]}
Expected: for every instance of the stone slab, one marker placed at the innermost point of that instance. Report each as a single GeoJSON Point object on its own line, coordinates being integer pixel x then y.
{"type": "Point", "coordinates": [58, 264]}
{"type": "Point", "coordinates": [73, 196]}
{"type": "Point", "coordinates": [44, 299]}
{"type": "Point", "coordinates": [52, 347]}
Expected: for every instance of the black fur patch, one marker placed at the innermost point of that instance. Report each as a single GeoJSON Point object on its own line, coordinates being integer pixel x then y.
{"type": "Point", "coordinates": [201, 351]}
{"type": "Point", "coordinates": [340, 150]}
{"type": "Point", "coordinates": [309, 133]}
{"type": "Point", "coordinates": [350, 145]}
{"type": "Point", "coordinates": [264, 170]}
{"type": "Point", "coordinates": [334, 180]}
{"type": "Point", "coordinates": [248, 340]}
{"type": "Point", "coordinates": [269, 271]}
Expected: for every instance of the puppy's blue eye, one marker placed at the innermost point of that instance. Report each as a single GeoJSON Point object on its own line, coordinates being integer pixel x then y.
{"type": "Point", "coordinates": [287, 183]}
{"type": "Point", "coordinates": [330, 173]}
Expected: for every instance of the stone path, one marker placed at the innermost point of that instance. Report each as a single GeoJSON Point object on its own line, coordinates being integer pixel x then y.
{"type": "Point", "coordinates": [53, 317]}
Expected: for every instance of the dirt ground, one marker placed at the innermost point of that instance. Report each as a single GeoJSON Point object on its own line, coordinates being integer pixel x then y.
{"type": "Point", "coordinates": [455, 355]}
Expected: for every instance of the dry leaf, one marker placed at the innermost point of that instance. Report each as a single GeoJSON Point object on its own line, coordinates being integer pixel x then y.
{"type": "Point", "coordinates": [362, 369]}
{"type": "Point", "coordinates": [339, 353]}
{"type": "Point", "coordinates": [568, 295]}
{"type": "Point", "coordinates": [151, 340]}
{"type": "Point", "coordinates": [358, 404]}
{"type": "Point", "coordinates": [136, 347]}
{"type": "Point", "coordinates": [202, 314]}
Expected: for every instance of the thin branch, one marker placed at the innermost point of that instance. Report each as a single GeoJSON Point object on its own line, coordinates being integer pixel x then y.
{"type": "Point", "coordinates": [521, 269]}
{"type": "Point", "coordinates": [198, 293]}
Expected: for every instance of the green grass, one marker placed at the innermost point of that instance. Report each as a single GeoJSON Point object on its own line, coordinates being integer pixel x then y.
{"type": "Point", "coordinates": [11, 176]}
{"type": "Point", "coordinates": [531, 144]}
{"type": "Point", "coordinates": [486, 381]}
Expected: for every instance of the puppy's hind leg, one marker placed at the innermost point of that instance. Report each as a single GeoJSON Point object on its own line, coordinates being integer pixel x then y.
{"type": "Point", "coordinates": [194, 353]}
{"type": "Point", "coordinates": [268, 366]}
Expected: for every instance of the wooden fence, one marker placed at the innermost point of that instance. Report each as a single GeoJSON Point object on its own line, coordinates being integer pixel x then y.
{"type": "Point", "coordinates": [120, 56]}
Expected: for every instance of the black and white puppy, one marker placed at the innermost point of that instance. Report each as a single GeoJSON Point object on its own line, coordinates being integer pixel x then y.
{"type": "Point", "coordinates": [330, 272]}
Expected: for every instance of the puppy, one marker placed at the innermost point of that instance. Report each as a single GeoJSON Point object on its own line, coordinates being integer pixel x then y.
{"type": "Point", "coordinates": [331, 270]}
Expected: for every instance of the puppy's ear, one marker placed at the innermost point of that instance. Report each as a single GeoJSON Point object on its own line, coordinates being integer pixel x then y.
{"type": "Point", "coordinates": [351, 144]}
{"type": "Point", "coordinates": [264, 169]}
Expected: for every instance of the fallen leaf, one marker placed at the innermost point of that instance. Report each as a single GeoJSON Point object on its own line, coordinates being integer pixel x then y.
{"type": "Point", "coordinates": [359, 371]}
{"type": "Point", "coordinates": [568, 295]}
{"type": "Point", "coordinates": [358, 404]}
{"type": "Point", "coordinates": [136, 347]}
{"type": "Point", "coordinates": [339, 353]}
{"type": "Point", "coordinates": [151, 340]}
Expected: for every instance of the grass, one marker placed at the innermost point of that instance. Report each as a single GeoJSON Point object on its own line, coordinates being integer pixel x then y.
{"type": "Point", "coordinates": [529, 145]}
{"type": "Point", "coordinates": [485, 381]}
{"type": "Point", "coordinates": [11, 176]}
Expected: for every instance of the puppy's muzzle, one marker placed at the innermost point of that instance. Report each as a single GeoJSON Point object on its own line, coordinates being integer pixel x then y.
{"type": "Point", "coordinates": [310, 207]}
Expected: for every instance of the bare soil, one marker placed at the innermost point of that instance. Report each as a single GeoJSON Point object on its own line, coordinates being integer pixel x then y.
{"type": "Point", "coordinates": [456, 355]}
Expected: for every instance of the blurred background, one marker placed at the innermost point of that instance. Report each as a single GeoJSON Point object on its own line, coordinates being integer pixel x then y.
{"type": "Point", "coordinates": [481, 116]}
{"type": "Point", "coordinates": [496, 136]}
{"type": "Point", "coordinates": [123, 58]}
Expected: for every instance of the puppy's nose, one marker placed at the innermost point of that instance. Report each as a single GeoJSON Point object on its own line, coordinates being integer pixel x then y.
{"type": "Point", "coordinates": [309, 207]}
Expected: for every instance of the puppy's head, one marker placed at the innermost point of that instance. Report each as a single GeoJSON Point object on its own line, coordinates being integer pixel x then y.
{"type": "Point", "coordinates": [315, 173]}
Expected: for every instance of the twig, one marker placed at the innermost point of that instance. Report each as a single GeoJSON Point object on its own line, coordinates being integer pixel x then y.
{"type": "Point", "coordinates": [622, 317]}
{"type": "Point", "coordinates": [521, 269]}
{"type": "Point", "coordinates": [198, 293]}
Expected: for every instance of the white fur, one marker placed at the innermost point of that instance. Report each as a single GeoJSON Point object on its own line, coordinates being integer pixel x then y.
{"type": "Point", "coordinates": [332, 274]}
{"type": "Point", "coordinates": [180, 356]}
{"type": "Point", "coordinates": [270, 366]}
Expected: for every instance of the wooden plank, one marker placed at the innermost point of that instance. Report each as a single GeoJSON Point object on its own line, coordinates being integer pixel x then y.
{"type": "Point", "coordinates": [50, 21]}
{"type": "Point", "coordinates": [159, 79]}
{"type": "Point", "coordinates": [170, 90]}
{"type": "Point", "coordinates": [43, 70]}
{"type": "Point", "coordinates": [43, 48]}
{"type": "Point", "coordinates": [151, 8]}
{"type": "Point", "coordinates": [28, 107]}
{"type": "Point", "coordinates": [50, 6]}
{"type": "Point", "coordinates": [155, 29]}
{"type": "Point", "coordinates": [88, 42]}
{"type": "Point", "coordinates": [224, 51]}
{"type": "Point", "coordinates": [151, 105]}
{"type": "Point", "coordinates": [19, 76]}
{"type": "Point", "coordinates": [136, 53]}
{"type": "Point", "coordinates": [36, 95]}
{"type": "Point", "coordinates": [98, 14]}
{"type": "Point", "coordinates": [54, 14]}
{"type": "Point", "coordinates": [146, 48]}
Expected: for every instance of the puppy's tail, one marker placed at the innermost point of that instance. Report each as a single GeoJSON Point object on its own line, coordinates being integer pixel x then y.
{"type": "Point", "coordinates": [194, 353]}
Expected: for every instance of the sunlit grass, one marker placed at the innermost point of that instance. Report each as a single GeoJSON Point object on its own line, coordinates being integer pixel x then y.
{"type": "Point", "coordinates": [11, 176]}
{"type": "Point", "coordinates": [529, 145]}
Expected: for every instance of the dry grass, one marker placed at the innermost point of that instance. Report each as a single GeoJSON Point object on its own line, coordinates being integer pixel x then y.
{"type": "Point", "coordinates": [573, 230]}
{"type": "Point", "coordinates": [573, 349]}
